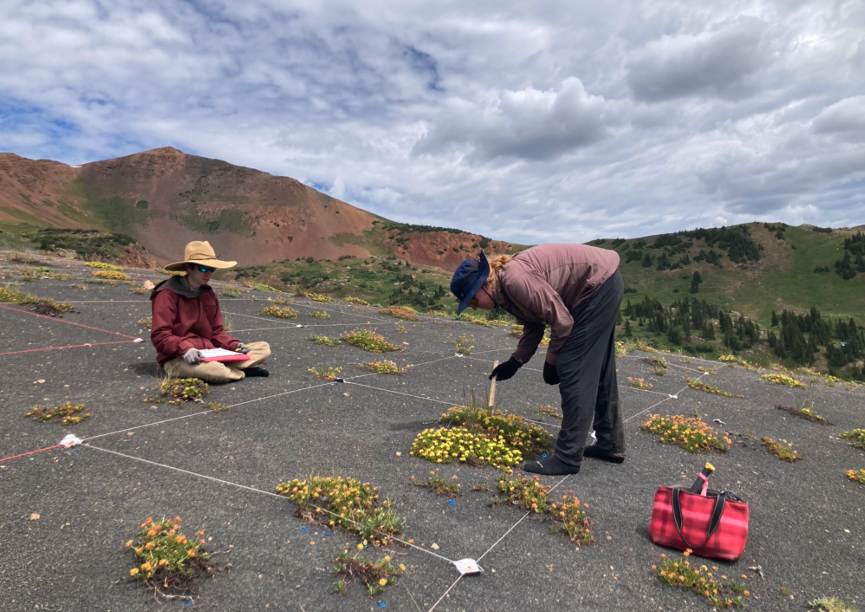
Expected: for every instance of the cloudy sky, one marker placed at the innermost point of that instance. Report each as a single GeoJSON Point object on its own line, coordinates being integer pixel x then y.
{"type": "Point", "coordinates": [529, 122]}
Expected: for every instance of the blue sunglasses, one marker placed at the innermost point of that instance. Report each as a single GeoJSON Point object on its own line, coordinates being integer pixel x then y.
{"type": "Point", "coordinates": [204, 269]}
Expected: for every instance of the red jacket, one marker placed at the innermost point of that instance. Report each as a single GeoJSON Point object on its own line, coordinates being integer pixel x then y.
{"type": "Point", "coordinates": [183, 320]}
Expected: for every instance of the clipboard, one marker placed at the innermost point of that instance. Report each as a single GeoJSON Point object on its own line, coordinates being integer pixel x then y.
{"type": "Point", "coordinates": [222, 355]}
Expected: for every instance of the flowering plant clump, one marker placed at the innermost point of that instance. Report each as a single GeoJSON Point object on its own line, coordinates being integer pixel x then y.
{"type": "Point", "coordinates": [384, 367]}
{"type": "Point", "coordinates": [368, 341]}
{"type": "Point", "coordinates": [545, 341]}
{"type": "Point", "coordinates": [702, 580]}
{"type": "Point", "coordinates": [639, 383]}
{"type": "Point", "coordinates": [780, 379]}
{"type": "Point", "coordinates": [263, 287]}
{"type": "Point", "coordinates": [171, 272]}
{"type": "Point", "coordinates": [463, 343]}
{"type": "Point", "coordinates": [216, 407]}
{"type": "Point", "coordinates": [319, 314]}
{"type": "Point", "coordinates": [519, 433]}
{"type": "Point", "coordinates": [858, 437]}
{"type": "Point", "coordinates": [857, 476]}
{"type": "Point", "coordinates": [691, 434]}
{"type": "Point", "coordinates": [529, 494]}
{"type": "Point", "coordinates": [30, 273]}
{"type": "Point", "coordinates": [440, 485]}
{"type": "Point", "coordinates": [318, 297]}
{"type": "Point", "coordinates": [401, 312]}
{"type": "Point", "coordinates": [180, 390]}
{"type": "Point", "coordinates": [639, 345]}
{"type": "Point", "coordinates": [374, 576]}
{"type": "Point", "coordinates": [516, 330]}
{"type": "Point", "coordinates": [459, 443]}
{"type": "Point", "coordinates": [804, 413]}
{"type": "Point", "coordinates": [103, 266]}
{"type": "Point", "coordinates": [699, 385]}
{"type": "Point", "coordinates": [282, 301]}
{"type": "Point", "coordinates": [67, 413]}
{"type": "Point", "coordinates": [146, 322]}
{"type": "Point", "coordinates": [231, 292]}
{"type": "Point", "coordinates": [550, 411]}
{"type": "Point", "coordinates": [11, 293]}
{"type": "Point", "coordinates": [111, 275]}
{"type": "Point", "coordinates": [168, 558]}
{"type": "Point", "coordinates": [279, 313]}
{"type": "Point", "coordinates": [355, 300]}
{"type": "Point", "coordinates": [657, 362]}
{"type": "Point", "coordinates": [621, 349]}
{"type": "Point", "coordinates": [325, 373]}
{"type": "Point", "coordinates": [324, 340]}
{"type": "Point", "coordinates": [349, 503]}
{"type": "Point", "coordinates": [473, 319]}
{"type": "Point", "coordinates": [137, 290]}
{"type": "Point", "coordinates": [712, 371]}
{"type": "Point", "coordinates": [781, 451]}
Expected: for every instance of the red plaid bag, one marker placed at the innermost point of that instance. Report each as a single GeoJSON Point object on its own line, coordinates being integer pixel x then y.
{"type": "Point", "coordinates": [713, 526]}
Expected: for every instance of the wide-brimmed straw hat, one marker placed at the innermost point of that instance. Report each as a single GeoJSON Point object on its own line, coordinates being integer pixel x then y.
{"type": "Point", "coordinates": [202, 254]}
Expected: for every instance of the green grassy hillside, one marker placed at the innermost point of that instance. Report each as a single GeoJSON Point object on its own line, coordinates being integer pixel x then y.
{"type": "Point", "coordinates": [782, 276]}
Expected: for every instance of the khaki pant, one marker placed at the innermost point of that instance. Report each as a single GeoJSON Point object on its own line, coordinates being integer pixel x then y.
{"type": "Point", "coordinates": [216, 371]}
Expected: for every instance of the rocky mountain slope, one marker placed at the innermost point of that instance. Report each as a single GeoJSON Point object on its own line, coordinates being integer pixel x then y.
{"type": "Point", "coordinates": [164, 198]}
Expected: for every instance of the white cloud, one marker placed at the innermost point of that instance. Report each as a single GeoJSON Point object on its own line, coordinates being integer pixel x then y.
{"type": "Point", "coordinates": [536, 122]}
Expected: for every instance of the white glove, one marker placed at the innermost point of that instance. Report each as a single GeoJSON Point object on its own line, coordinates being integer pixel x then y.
{"type": "Point", "coordinates": [192, 357]}
{"type": "Point", "coordinates": [242, 348]}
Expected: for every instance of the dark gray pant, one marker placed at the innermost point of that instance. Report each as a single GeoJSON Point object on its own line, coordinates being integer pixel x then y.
{"type": "Point", "coordinates": [587, 374]}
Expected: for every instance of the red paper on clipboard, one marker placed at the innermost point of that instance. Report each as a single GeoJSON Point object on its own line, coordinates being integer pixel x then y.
{"type": "Point", "coordinates": [223, 355]}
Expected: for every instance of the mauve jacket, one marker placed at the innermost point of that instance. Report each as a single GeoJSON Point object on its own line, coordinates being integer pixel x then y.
{"type": "Point", "coordinates": [541, 285]}
{"type": "Point", "coordinates": [183, 320]}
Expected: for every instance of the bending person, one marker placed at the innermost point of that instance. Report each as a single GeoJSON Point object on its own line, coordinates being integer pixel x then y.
{"type": "Point", "coordinates": [577, 291]}
{"type": "Point", "coordinates": [186, 319]}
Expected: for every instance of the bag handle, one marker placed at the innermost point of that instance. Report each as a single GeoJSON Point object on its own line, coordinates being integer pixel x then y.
{"type": "Point", "coordinates": [714, 521]}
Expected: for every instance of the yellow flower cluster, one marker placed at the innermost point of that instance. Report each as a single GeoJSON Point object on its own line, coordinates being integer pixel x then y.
{"type": "Point", "coordinates": [318, 297]}
{"type": "Point", "coordinates": [682, 575]}
{"type": "Point", "coordinates": [529, 494]}
{"type": "Point", "coordinates": [67, 413]}
{"type": "Point", "coordinates": [374, 576]}
{"type": "Point", "coordinates": [355, 300]}
{"type": "Point", "coordinates": [401, 312]}
{"type": "Point", "coordinates": [639, 383]}
{"type": "Point", "coordinates": [325, 373]}
{"type": "Point", "coordinates": [780, 379]}
{"type": "Point", "coordinates": [858, 437]}
{"type": "Point", "coordinates": [856, 475]}
{"type": "Point", "coordinates": [163, 550]}
{"type": "Point", "coordinates": [698, 385]}
{"type": "Point", "coordinates": [347, 502]}
{"type": "Point", "coordinates": [319, 314]}
{"type": "Point", "coordinates": [368, 341]}
{"type": "Point", "coordinates": [285, 312]}
{"type": "Point", "coordinates": [103, 266]}
{"type": "Point", "coordinates": [324, 340]}
{"type": "Point", "coordinates": [781, 451]}
{"type": "Point", "coordinates": [111, 275]}
{"type": "Point", "coordinates": [384, 366]}
{"type": "Point", "coordinates": [446, 445]}
{"type": "Point", "coordinates": [517, 432]}
{"type": "Point", "coordinates": [691, 434]}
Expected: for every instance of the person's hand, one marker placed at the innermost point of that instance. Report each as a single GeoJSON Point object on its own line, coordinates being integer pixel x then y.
{"type": "Point", "coordinates": [505, 370]}
{"type": "Point", "coordinates": [242, 348]}
{"type": "Point", "coordinates": [551, 374]}
{"type": "Point", "coordinates": [192, 357]}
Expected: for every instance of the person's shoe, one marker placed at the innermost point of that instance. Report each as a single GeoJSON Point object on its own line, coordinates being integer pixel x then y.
{"type": "Point", "coordinates": [256, 371]}
{"type": "Point", "coordinates": [596, 453]}
{"type": "Point", "coordinates": [551, 466]}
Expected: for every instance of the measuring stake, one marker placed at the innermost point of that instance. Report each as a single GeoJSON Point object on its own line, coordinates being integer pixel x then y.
{"type": "Point", "coordinates": [493, 386]}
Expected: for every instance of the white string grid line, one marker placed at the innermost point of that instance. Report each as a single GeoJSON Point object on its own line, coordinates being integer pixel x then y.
{"type": "Point", "coordinates": [322, 509]}
{"type": "Point", "coordinates": [261, 491]}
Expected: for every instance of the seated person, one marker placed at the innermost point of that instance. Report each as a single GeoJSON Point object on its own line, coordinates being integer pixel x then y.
{"type": "Point", "coordinates": [186, 319]}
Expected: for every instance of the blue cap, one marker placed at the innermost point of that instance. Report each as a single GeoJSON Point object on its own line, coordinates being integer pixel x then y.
{"type": "Point", "coordinates": [468, 279]}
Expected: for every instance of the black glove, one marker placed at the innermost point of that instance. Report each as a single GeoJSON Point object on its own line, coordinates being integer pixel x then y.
{"type": "Point", "coordinates": [505, 370]}
{"type": "Point", "coordinates": [551, 374]}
